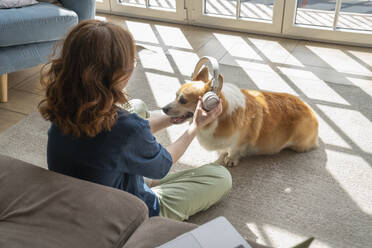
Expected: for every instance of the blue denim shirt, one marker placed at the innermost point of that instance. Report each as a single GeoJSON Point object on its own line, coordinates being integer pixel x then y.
{"type": "Point", "coordinates": [119, 158]}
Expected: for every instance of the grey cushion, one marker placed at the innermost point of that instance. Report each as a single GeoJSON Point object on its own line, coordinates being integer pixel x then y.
{"type": "Point", "coordinates": [43, 209]}
{"type": "Point", "coordinates": [50, 1]}
{"type": "Point", "coordinates": [16, 3]}
{"type": "Point", "coordinates": [37, 23]}
{"type": "Point", "coordinates": [157, 231]}
{"type": "Point", "coordinates": [20, 57]}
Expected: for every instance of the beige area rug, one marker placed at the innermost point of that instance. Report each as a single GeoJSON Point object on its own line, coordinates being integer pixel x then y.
{"type": "Point", "coordinates": [277, 200]}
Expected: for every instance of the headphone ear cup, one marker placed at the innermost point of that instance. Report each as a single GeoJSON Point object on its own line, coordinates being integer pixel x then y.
{"type": "Point", "coordinates": [210, 100]}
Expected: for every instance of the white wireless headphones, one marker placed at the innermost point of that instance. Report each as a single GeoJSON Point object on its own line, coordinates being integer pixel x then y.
{"type": "Point", "coordinates": [210, 98]}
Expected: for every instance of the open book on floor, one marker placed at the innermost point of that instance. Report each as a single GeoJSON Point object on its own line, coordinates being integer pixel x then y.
{"type": "Point", "coordinates": [217, 233]}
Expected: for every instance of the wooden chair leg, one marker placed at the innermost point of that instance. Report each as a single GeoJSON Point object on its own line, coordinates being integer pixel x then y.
{"type": "Point", "coordinates": [4, 88]}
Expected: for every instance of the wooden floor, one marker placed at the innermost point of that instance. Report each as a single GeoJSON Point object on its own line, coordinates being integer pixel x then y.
{"type": "Point", "coordinates": [24, 96]}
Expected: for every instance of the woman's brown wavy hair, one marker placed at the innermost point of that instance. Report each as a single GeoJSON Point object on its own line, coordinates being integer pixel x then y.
{"type": "Point", "coordinates": [84, 83]}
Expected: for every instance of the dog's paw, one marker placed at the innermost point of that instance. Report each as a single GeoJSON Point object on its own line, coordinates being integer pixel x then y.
{"type": "Point", "coordinates": [221, 158]}
{"type": "Point", "coordinates": [230, 162]}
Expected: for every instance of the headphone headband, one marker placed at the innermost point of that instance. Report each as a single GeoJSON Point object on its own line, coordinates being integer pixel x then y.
{"type": "Point", "coordinates": [212, 61]}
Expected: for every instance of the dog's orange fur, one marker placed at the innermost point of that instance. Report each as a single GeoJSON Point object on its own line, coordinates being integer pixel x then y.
{"type": "Point", "coordinates": [266, 124]}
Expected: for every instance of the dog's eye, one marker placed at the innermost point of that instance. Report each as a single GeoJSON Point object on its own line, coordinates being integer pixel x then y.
{"type": "Point", "coordinates": [182, 100]}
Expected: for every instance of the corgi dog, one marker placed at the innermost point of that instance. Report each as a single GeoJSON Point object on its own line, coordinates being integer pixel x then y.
{"type": "Point", "coordinates": [251, 122]}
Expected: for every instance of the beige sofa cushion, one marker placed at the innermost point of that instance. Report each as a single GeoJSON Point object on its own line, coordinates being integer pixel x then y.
{"type": "Point", "coordinates": [40, 208]}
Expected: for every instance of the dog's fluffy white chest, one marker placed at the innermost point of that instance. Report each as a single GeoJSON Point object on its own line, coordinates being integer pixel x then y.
{"type": "Point", "coordinates": [235, 99]}
{"type": "Point", "coordinates": [210, 142]}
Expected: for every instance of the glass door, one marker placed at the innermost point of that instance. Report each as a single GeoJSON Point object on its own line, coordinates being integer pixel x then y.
{"type": "Point", "coordinates": [152, 9]}
{"type": "Point", "coordinates": [263, 16]}
{"type": "Point", "coordinates": [341, 21]}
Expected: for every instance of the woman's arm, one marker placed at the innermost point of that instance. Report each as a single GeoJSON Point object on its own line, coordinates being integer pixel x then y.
{"type": "Point", "coordinates": [200, 119]}
{"type": "Point", "coordinates": [178, 148]}
{"type": "Point", "coordinates": [159, 122]}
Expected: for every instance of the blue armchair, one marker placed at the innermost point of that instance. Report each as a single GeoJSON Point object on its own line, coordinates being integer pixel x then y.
{"type": "Point", "coordinates": [28, 34]}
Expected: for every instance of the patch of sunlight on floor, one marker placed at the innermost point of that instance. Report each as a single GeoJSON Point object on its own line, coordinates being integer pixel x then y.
{"type": "Point", "coordinates": [254, 66]}
{"type": "Point", "coordinates": [155, 59]}
{"type": "Point", "coordinates": [269, 81]}
{"type": "Point", "coordinates": [278, 52]}
{"type": "Point", "coordinates": [329, 135]}
{"type": "Point", "coordinates": [173, 36]}
{"type": "Point", "coordinates": [240, 49]}
{"type": "Point", "coordinates": [363, 84]}
{"type": "Point", "coordinates": [163, 87]}
{"type": "Point", "coordinates": [278, 237]}
{"type": "Point", "coordinates": [354, 175]}
{"type": "Point", "coordinates": [100, 18]}
{"type": "Point", "coordinates": [339, 60]}
{"type": "Point", "coordinates": [175, 131]}
{"type": "Point", "coordinates": [142, 32]}
{"type": "Point", "coordinates": [258, 41]}
{"type": "Point", "coordinates": [185, 61]}
{"type": "Point", "coordinates": [195, 154]}
{"type": "Point", "coordinates": [298, 73]}
{"type": "Point", "coordinates": [363, 56]}
{"type": "Point", "coordinates": [353, 124]}
{"type": "Point", "coordinates": [292, 60]}
{"type": "Point", "coordinates": [237, 46]}
{"type": "Point", "coordinates": [317, 89]}
{"type": "Point", "coordinates": [239, 52]}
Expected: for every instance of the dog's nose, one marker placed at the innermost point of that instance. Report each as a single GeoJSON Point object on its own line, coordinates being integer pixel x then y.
{"type": "Point", "coordinates": [166, 109]}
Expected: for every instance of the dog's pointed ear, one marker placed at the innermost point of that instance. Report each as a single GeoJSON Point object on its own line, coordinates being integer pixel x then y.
{"type": "Point", "coordinates": [208, 85]}
{"type": "Point", "coordinates": [203, 75]}
{"type": "Point", "coordinates": [220, 79]}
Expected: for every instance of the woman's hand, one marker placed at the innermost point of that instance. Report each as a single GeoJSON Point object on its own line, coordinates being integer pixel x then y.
{"type": "Point", "coordinates": [202, 118]}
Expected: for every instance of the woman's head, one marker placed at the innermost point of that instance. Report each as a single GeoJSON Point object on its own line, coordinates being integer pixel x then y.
{"type": "Point", "coordinates": [86, 80]}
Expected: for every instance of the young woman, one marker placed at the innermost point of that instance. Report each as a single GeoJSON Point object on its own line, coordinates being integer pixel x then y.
{"type": "Point", "coordinates": [91, 138]}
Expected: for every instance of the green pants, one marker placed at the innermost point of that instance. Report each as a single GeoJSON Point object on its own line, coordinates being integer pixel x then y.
{"type": "Point", "coordinates": [185, 193]}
